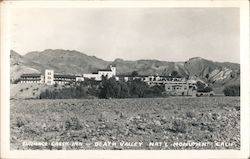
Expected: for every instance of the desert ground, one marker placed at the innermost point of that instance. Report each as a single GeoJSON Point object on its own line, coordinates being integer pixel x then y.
{"type": "Point", "coordinates": [117, 124]}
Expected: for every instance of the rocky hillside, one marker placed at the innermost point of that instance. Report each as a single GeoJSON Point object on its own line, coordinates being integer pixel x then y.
{"type": "Point", "coordinates": [217, 74]}
{"type": "Point", "coordinates": [67, 61]}
{"type": "Point", "coordinates": [20, 65]}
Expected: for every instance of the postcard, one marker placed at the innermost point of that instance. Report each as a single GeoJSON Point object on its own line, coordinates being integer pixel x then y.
{"type": "Point", "coordinates": [125, 79]}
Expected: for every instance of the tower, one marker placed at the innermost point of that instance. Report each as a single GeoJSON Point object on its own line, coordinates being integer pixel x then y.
{"type": "Point", "coordinates": [49, 77]}
{"type": "Point", "coordinates": [113, 70]}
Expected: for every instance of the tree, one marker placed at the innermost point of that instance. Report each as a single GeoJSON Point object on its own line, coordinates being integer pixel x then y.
{"type": "Point", "coordinates": [155, 91]}
{"type": "Point", "coordinates": [109, 88]}
{"type": "Point", "coordinates": [207, 76]}
{"type": "Point", "coordinates": [134, 74]}
{"type": "Point", "coordinates": [232, 90]}
{"type": "Point", "coordinates": [124, 89]}
{"type": "Point", "coordinates": [202, 87]}
{"type": "Point", "coordinates": [175, 74]}
{"type": "Point", "coordinates": [137, 88]}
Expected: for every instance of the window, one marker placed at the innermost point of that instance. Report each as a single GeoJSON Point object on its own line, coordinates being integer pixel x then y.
{"type": "Point", "coordinates": [49, 77]}
{"type": "Point", "coordinates": [49, 73]}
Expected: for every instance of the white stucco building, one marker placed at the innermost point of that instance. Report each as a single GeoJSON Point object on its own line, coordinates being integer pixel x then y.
{"type": "Point", "coordinates": [49, 77]}
{"type": "Point", "coordinates": [103, 72]}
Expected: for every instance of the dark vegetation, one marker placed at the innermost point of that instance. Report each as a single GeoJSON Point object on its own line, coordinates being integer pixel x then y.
{"type": "Point", "coordinates": [107, 88]}
{"type": "Point", "coordinates": [232, 90]}
{"type": "Point", "coordinates": [202, 87]}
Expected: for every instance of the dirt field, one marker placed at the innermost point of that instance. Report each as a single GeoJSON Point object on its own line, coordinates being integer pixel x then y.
{"type": "Point", "coordinates": [116, 124]}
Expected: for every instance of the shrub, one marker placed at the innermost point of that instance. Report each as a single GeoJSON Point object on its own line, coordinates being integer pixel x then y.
{"type": "Point", "coordinates": [109, 88]}
{"type": "Point", "coordinates": [179, 126]}
{"type": "Point", "coordinates": [20, 122]}
{"type": "Point", "coordinates": [137, 88]}
{"type": "Point", "coordinates": [190, 114]}
{"type": "Point", "coordinates": [15, 81]}
{"type": "Point", "coordinates": [232, 90]}
{"type": "Point", "coordinates": [73, 123]}
{"type": "Point", "coordinates": [155, 91]}
{"type": "Point", "coordinates": [201, 87]}
{"type": "Point", "coordinates": [64, 93]}
{"type": "Point", "coordinates": [134, 74]}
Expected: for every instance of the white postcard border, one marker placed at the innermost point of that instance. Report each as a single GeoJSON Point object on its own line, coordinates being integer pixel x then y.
{"type": "Point", "coordinates": [5, 83]}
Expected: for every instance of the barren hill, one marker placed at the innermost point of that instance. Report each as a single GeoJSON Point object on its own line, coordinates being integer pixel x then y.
{"type": "Point", "coordinates": [67, 61]}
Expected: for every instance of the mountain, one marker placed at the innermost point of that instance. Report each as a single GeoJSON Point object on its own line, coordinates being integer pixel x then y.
{"type": "Point", "coordinates": [217, 74]}
{"type": "Point", "coordinates": [66, 61]}
{"type": "Point", "coordinates": [20, 65]}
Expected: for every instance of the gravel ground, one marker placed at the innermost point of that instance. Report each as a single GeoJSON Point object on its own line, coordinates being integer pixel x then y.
{"type": "Point", "coordinates": [117, 124]}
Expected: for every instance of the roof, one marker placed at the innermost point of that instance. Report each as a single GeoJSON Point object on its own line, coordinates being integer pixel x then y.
{"type": "Point", "coordinates": [124, 75]}
{"type": "Point", "coordinates": [30, 79]}
{"type": "Point", "coordinates": [31, 75]}
{"type": "Point", "coordinates": [64, 76]}
{"type": "Point", "coordinates": [105, 70]}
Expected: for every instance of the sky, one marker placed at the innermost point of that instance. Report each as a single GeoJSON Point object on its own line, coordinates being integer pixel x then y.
{"type": "Point", "coordinates": [167, 34]}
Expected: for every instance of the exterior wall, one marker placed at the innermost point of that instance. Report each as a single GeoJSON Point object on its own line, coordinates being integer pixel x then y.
{"type": "Point", "coordinates": [64, 79]}
{"type": "Point", "coordinates": [42, 79]}
{"type": "Point", "coordinates": [125, 79]}
{"type": "Point", "coordinates": [78, 79]}
{"type": "Point", "coordinates": [31, 78]}
{"type": "Point", "coordinates": [30, 81]}
{"type": "Point", "coordinates": [96, 77]}
{"type": "Point", "coordinates": [113, 69]}
{"type": "Point", "coordinates": [177, 88]}
{"type": "Point", "coordinates": [109, 74]}
{"type": "Point", "coordinates": [117, 78]}
{"type": "Point", "coordinates": [49, 77]}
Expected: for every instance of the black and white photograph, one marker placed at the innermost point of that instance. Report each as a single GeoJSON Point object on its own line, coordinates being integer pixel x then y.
{"type": "Point", "coordinates": [125, 78]}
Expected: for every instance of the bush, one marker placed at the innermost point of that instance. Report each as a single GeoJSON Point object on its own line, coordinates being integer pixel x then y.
{"type": "Point", "coordinates": [15, 81]}
{"type": "Point", "coordinates": [64, 93]}
{"type": "Point", "coordinates": [73, 123]}
{"type": "Point", "coordinates": [232, 90]}
{"type": "Point", "coordinates": [190, 114]}
{"type": "Point", "coordinates": [155, 91]}
{"type": "Point", "coordinates": [137, 88]}
{"type": "Point", "coordinates": [20, 122]}
{"type": "Point", "coordinates": [107, 88]}
{"type": "Point", "coordinates": [201, 87]}
{"type": "Point", "coordinates": [179, 126]}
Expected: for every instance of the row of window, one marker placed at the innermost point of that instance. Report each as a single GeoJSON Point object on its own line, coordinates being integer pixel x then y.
{"type": "Point", "coordinates": [177, 88]}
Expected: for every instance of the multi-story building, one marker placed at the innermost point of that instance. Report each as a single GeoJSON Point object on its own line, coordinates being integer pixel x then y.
{"type": "Point", "coordinates": [31, 78]}
{"type": "Point", "coordinates": [49, 77]}
{"type": "Point", "coordinates": [173, 86]}
{"type": "Point", "coordinates": [65, 79]}
{"type": "Point", "coordinates": [179, 88]}
{"type": "Point", "coordinates": [100, 73]}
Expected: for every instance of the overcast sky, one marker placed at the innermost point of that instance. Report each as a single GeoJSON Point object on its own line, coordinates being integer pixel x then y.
{"type": "Point", "coordinates": [170, 34]}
